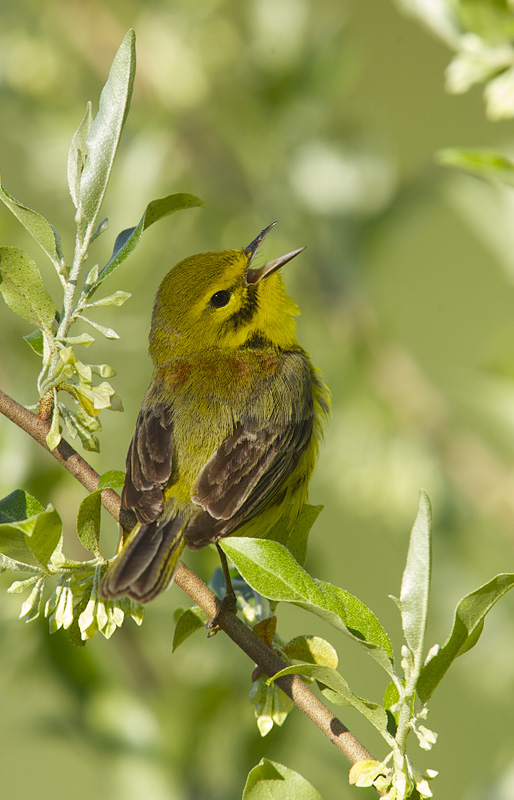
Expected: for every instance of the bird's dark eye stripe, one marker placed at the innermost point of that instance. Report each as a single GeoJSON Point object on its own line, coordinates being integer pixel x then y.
{"type": "Point", "coordinates": [220, 299]}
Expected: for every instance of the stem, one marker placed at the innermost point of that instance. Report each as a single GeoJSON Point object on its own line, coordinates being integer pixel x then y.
{"type": "Point", "coordinates": [266, 658]}
{"type": "Point", "coordinates": [70, 308]}
{"type": "Point", "coordinates": [82, 242]}
{"type": "Point", "coordinates": [412, 671]}
{"type": "Point", "coordinates": [81, 246]}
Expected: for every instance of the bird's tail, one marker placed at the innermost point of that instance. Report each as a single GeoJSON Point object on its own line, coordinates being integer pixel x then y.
{"type": "Point", "coordinates": [147, 563]}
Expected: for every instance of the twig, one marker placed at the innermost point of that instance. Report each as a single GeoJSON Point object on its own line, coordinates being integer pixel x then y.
{"type": "Point", "coordinates": [66, 456]}
{"type": "Point", "coordinates": [266, 658]}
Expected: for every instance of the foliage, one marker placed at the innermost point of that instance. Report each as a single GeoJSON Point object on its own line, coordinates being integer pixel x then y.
{"type": "Point", "coordinates": [32, 536]}
{"type": "Point", "coordinates": [90, 159]}
{"type": "Point", "coordinates": [482, 34]}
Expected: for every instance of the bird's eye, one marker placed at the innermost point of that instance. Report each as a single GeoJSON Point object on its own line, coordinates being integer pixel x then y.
{"type": "Point", "coordinates": [220, 299]}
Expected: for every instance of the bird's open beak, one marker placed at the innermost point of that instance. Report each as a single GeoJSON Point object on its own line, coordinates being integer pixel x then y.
{"type": "Point", "coordinates": [253, 276]}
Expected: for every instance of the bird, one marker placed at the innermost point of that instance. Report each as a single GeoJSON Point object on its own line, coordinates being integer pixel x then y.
{"type": "Point", "coordinates": [229, 428]}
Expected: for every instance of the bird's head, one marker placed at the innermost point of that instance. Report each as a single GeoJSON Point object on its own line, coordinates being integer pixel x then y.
{"type": "Point", "coordinates": [221, 300]}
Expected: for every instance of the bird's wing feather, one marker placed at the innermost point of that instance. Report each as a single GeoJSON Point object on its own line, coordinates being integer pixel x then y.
{"type": "Point", "coordinates": [149, 463]}
{"type": "Point", "coordinates": [244, 473]}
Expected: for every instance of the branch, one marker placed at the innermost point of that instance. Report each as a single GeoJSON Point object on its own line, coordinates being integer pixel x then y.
{"type": "Point", "coordinates": [266, 658]}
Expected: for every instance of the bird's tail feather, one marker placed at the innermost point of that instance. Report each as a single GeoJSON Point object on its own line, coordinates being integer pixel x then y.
{"type": "Point", "coordinates": [147, 563]}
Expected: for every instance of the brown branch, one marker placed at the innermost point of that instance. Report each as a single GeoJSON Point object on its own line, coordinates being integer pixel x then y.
{"type": "Point", "coordinates": [66, 456]}
{"type": "Point", "coordinates": [266, 658]}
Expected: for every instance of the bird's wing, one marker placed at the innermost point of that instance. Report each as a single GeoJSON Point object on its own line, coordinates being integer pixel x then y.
{"type": "Point", "coordinates": [149, 463]}
{"type": "Point", "coordinates": [249, 467]}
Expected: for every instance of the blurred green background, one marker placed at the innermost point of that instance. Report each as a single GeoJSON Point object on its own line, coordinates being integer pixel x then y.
{"type": "Point", "coordinates": [325, 116]}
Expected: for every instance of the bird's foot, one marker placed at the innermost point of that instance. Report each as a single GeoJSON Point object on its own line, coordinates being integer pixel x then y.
{"type": "Point", "coordinates": [227, 605]}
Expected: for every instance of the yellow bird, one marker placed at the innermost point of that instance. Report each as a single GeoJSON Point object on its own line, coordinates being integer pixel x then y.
{"type": "Point", "coordinates": [228, 432]}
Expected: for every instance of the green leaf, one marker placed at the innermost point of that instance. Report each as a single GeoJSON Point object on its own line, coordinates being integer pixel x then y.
{"type": "Point", "coordinates": [270, 569]}
{"type": "Point", "coordinates": [29, 534]}
{"type": "Point", "coordinates": [104, 136]}
{"type": "Point", "coordinates": [31, 608]}
{"type": "Point", "coordinates": [83, 425]}
{"type": "Point", "coordinates": [295, 539]}
{"type": "Point", "coordinates": [100, 228]}
{"type": "Point", "coordinates": [311, 650]}
{"type": "Point", "coordinates": [481, 162]}
{"type": "Point", "coordinates": [18, 506]}
{"type": "Point", "coordinates": [38, 227]}
{"type": "Point", "coordinates": [346, 612]}
{"type": "Point", "coordinates": [35, 341]}
{"type": "Point", "coordinates": [128, 239]}
{"type": "Point", "coordinates": [21, 586]}
{"type": "Point", "coordinates": [413, 602]}
{"type": "Point", "coordinates": [77, 154]}
{"type": "Point", "coordinates": [109, 333]}
{"type": "Point", "coordinates": [83, 339]}
{"type": "Point", "coordinates": [17, 566]}
{"type": "Point", "coordinates": [116, 299]}
{"type": "Point", "coordinates": [335, 688]}
{"type": "Point", "coordinates": [13, 545]}
{"type": "Point", "coordinates": [467, 627]}
{"type": "Point", "coordinates": [375, 773]}
{"type": "Point", "coordinates": [391, 695]}
{"type": "Point", "coordinates": [189, 620]}
{"type": "Point", "coordinates": [53, 437]}
{"type": "Point", "coordinates": [88, 522]}
{"type": "Point", "coordinates": [113, 479]}
{"type": "Point", "coordinates": [103, 370]}
{"type": "Point", "coordinates": [270, 780]}
{"type": "Point", "coordinates": [22, 288]}
{"type": "Point", "coordinates": [74, 631]}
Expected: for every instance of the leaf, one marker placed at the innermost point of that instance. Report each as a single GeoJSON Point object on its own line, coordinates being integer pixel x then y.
{"type": "Point", "coordinates": [391, 695]}
{"type": "Point", "coordinates": [17, 566]}
{"type": "Point", "coordinates": [413, 602]}
{"type": "Point", "coordinates": [31, 608]}
{"type": "Point", "coordinates": [84, 339]}
{"type": "Point", "coordinates": [270, 780]}
{"type": "Point", "coordinates": [105, 132]}
{"type": "Point", "coordinates": [22, 288]}
{"type": "Point", "coordinates": [103, 370]}
{"type": "Point", "coordinates": [53, 437]}
{"type": "Point", "coordinates": [113, 479]}
{"type": "Point", "coordinates": [38, 227]}
{"type": "Point", "coordinates": [13, 545]}
{"type": "Point", "coordinates": [467, 627]}
{"type": "Point", "coordinates": [295, 539]}
{"type": "Point", "coordinates": [346, 612]}
{"type": "Point", "coordinates": [369, 772]}
{"type": "Point", "coordinates": [100, 228]}
{"type": "Point", "coordinates": [128, 239]}
{"type": "Point", "coordinates": [270, 569]}
{"type": "Point", "coordinates": [29, 534]}
{"type": "Point", "coordinates": [21, 586]}
{"type": "Point", "coordinates": [116, 299]}
{"type": "Point", "coordinates": [189, 621]}
{"type": "Point", "coordinates": [35, 341]}
{"type": "Point", "coordinates": [17, 506]}
{"type": "Point", "coordinates": [335, 688]}
{"type": "Point", "coordinates": [74, 631]}
{"type": "Point", "coordinates": [310, 650]}
{"type": "Point", "coordinates": [88, 522]}
{"type": "Point", "coordinates": [77, 154]}
{"type": "Point", "coordinates": [481, 162]}
{"type": "Point", "coordinates": [109, 333]}
{"type": "Point", "coordinates": [83, 425]}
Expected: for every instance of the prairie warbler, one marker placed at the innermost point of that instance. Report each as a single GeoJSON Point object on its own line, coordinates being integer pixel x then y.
{"type": "Point", "coordinates": [227, 436]}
